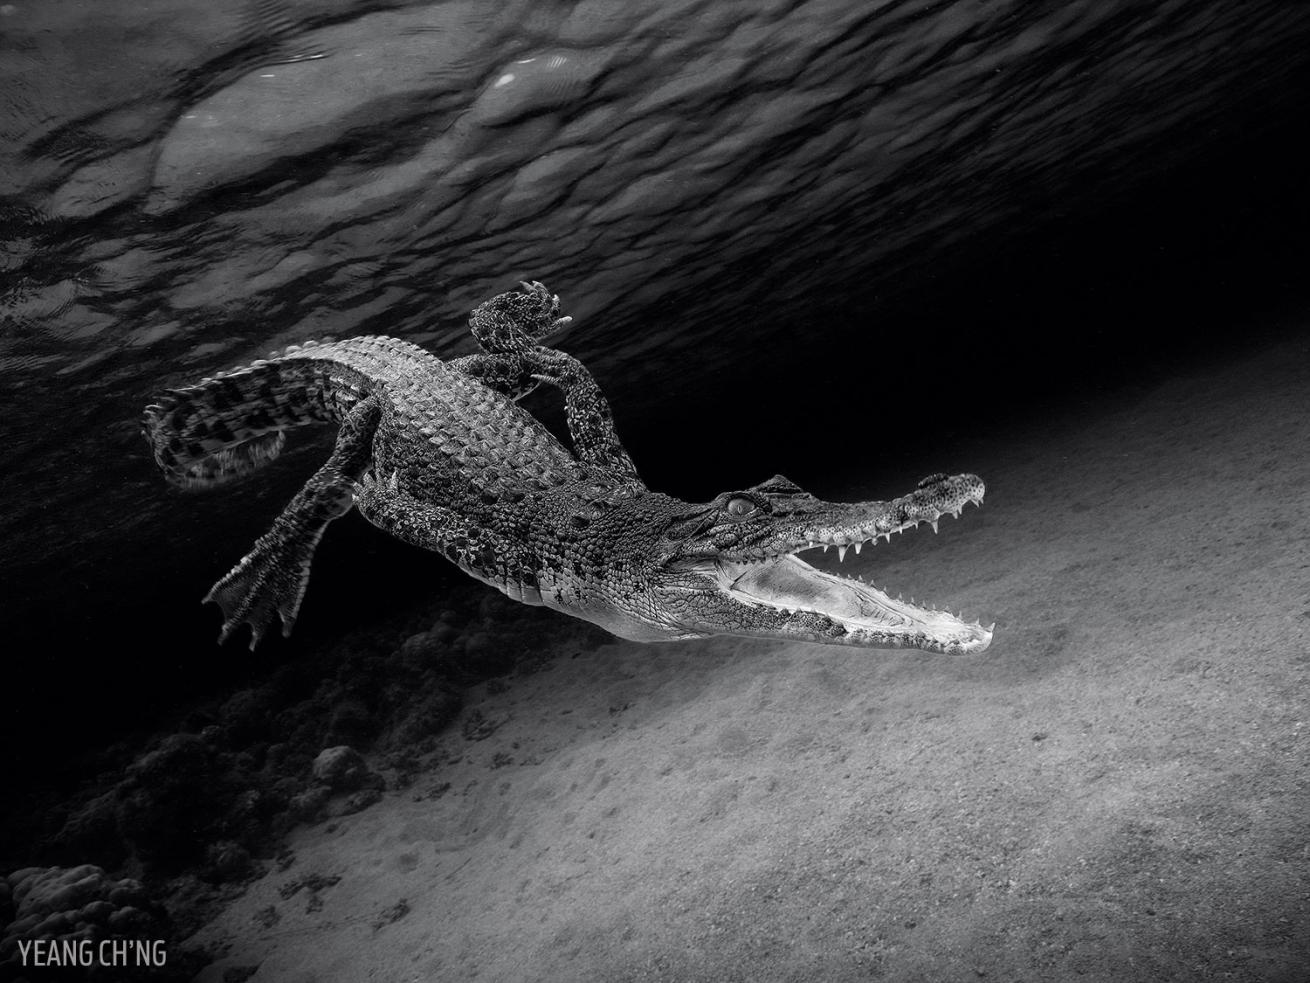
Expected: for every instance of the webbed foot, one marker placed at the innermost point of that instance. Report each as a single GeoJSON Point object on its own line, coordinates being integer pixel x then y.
{"type": "Point", "coordinates": [269, 582]}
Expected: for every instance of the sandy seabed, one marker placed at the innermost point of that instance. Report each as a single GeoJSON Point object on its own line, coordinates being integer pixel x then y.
{"type": "Point", "coordinates": [1117, 790]}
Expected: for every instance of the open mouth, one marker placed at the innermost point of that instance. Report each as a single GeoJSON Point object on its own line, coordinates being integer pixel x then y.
{"type": "Point", "coordinates": [788, 584]}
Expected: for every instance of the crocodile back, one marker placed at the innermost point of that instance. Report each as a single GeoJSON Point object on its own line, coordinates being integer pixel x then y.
{"type": "Point", "coordinates": [433, 416]}
{"type": "Point", "coordinates": [444, 434]}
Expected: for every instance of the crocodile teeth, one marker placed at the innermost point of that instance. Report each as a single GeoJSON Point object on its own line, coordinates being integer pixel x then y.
{"type": "Point", "coordinates": [858, 547]}
{"type": "Point", "coordinates": [841, 553]}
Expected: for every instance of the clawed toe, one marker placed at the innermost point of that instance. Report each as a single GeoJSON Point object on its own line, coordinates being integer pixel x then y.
{"type": "Point", "coordinates": [543, 295]}
{"type": "Point", "coordinates": [245, 597]}
{"type": "Point", "coordinates": [514, 322]}
{"type": "Point", "coordinates": [547, 300]}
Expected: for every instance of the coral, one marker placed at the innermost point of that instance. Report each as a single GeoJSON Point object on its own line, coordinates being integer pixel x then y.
{"type": "Point", "coordinates": [201, 810]}
{"type": "Point", "coordinates": [83, 907]}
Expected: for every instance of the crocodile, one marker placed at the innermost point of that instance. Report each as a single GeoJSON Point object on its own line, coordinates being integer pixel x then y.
{"type": "Point", "coordinates": [442, 455]}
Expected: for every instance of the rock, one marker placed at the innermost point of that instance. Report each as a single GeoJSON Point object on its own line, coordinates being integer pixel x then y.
{"type": "Point", "coordinates": [171, 797]}
{"type": "Point", "coordinates": [426, 717]}
{"type": "Point", "coordinates": [127, 892]}
{"type": "Point", "coordinates": [478, 647]}
{"type": "Point", "coordinates": [341, 768]}
{"type": "Point", "coordinates": [176, 801]}
{"type": "Point", "coordinates": [309, 805]}
{"type": "Point", "coordinates": [444, 633]}
{"type": "Point", "coordinates": [57, 888]}
{"type": "Point", "coordinates": [130, 921]}
{"type": "Point", "coordinates": [351, 720]}
{"type": "Point", "coordinates": [92, 830]}
{"type": "Point", "coordinates": [96, 911]}
{"type": "Point", "coordinates": [359, 801]}
{"type": "Point", "coordinates": [246, 716]}
{"type": "Point", "coordinates": [227, 861]}
{"type": "Point", "coordinates": [426, 648]}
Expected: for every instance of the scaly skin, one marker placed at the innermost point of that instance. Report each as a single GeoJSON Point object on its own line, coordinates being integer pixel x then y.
{"type": "Point", "coordinates": [441, 456]}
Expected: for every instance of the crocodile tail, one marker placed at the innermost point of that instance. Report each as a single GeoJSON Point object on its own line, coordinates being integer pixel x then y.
{"type": "Point", "coordinates": [228, 425]}
{"type": "Point", "coordinates": [224, 465]}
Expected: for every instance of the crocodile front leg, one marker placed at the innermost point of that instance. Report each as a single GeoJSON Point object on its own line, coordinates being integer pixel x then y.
{"type": "Point", "coordinates": [468, 543]}
{"type": "Point", "coordinates": [517, 320]}
{"type": "Point", "coordinates": [590, 419]}
{"type": "Point", "coordinates": [508, 328]}
{"type": "Point", "coordinates": [271, 579]}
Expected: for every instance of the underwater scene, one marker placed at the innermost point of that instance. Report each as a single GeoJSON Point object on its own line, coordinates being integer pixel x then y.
{"type": "Point", "coordinates": [654, 490]}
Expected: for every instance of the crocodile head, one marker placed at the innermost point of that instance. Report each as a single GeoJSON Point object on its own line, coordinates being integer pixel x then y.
{"type": "Point", "coordinates": [731, 567]}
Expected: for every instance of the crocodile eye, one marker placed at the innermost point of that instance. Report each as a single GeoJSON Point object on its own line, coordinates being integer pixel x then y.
{"type": "Point", "coordinates": [740, 507]}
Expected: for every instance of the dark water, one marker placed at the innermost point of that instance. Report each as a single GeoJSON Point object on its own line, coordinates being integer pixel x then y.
{"type": "Point", "coordinates": [795, 237]}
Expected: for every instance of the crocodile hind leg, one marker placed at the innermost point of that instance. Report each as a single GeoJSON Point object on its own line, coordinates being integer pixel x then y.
{"type": "Point", "coordinates": [271, 579]}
